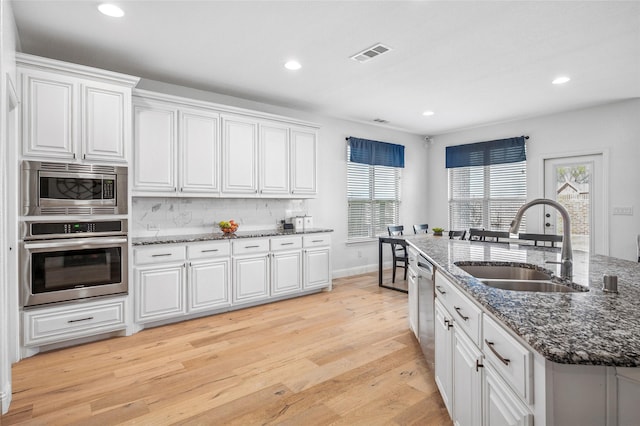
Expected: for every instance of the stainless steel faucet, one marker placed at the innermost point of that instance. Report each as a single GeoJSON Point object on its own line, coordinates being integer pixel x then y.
{"type": "Point", "coordinates": [566, 262]}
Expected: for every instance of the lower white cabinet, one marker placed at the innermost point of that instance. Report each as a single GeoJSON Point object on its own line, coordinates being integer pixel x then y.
{"type": "Point", "coordinates": [160, 292]}
{"type": "Point", "coordinates": [208, 284]}
{"type": "Point", "coordinates": [317, 261]}
{"type": "Point", "coordinates": [286, 272]}
{"type": "Point", "coordinates": [467, 380]}
{"type": "Point", "coordinates": [67, 322]}
{"type": "Point", "coordinates": [500, 405]}
{"type": "Point", "coordinates": [412, 299]}
{"type": "Point", "coordinates": [250, 270]}
{"type": "Point", "coordinates": [444, 354]}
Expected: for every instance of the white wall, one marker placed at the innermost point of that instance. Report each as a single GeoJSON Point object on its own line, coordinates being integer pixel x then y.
{"type": "Point", "coordinates": [613, 127]}
{"type": "Point", "coordinates": [329, 209]}
{"type": "Point", "coordinates": [8, 301]}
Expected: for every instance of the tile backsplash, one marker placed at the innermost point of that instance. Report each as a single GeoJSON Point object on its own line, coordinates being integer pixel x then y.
{"type": "Point", "coordinates": [175, 216]}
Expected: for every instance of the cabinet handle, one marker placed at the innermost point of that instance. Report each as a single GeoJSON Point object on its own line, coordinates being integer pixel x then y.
{"type": "Point", "coordinates": [316, 241]}
{"type": "Point", "coordinates": [251, 246]}
{"type": "Point", "coordinates": [161, 255]}
{"type": "Point", "coordinates": [84, 156]}
{"type": "Point", "coordinates": [286, 244]}
{"type": "Point", "coordinates": [208, 251]}
{"type": "Point", "coordinates": [80, 319]}
{"type": "Point", "coordinates": [504, 360]}
{"type": "Point", "coordinates": [478, 365]}
{"type": "Point", "coordinates": [440, 290]}
{"type": "Point", "coordinates": [74, 156]}
{"type": "Point", "coordinates": [448, 324]}
{"type": "Point", "coordinates": [461, 316]}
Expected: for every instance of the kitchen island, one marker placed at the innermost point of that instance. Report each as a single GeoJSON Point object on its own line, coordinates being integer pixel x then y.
{"type": "Point", "coordinates": [578, 352]}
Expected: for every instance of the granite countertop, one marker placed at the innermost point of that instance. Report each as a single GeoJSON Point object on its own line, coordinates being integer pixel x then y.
{"type": "Point", "coordinates": [591, 328]}
{"type": "Point", "coordinates": [213, 236]}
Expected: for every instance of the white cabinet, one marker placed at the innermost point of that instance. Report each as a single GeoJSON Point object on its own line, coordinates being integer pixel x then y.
{"type": "Point", "coordinates": [304, 162]}
{"type": "Point", "coordinates": [176, 149]}
{"type": "Point", "coordinates": [286, 265]}
{"type": "Point", "coordinates": [66, 322]}
{"type": "Point", "coordinates": [209, 284]}
{"type": "Point", "coordinates": [467, 380]}
{"type": "Point", "coordinates": [444, 354]}
{"type": "Point", "coordinates": [274, 160]}
{"type": "Point", "coordinates": [317, 261]}
{"type": "Point", "coordinates": [154, 147]}
{"type": "Point", "coordinates": [250, 270]}
{"type": "Point", "coordinates": [71, 112]}
{"type": "Point", "coordinates": [239, 156]}
{"type": "Point", "coordinates": [500, 406]}
{"type": "Point", "coordinates": [413, 301]}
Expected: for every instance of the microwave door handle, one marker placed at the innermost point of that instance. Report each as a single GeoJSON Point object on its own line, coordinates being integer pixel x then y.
{"type": "Point", "coordinates": [73, 242]}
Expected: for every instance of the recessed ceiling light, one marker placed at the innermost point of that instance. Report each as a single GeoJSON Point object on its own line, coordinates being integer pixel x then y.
{"type": "Point", "coordinates": [292, 65]}
{"type": "Point", "coordinates": [428, 113]}
{"type": "Point", "coordinates": [111, 10]}
{"type": "Point", "coordinates": [560, 80]}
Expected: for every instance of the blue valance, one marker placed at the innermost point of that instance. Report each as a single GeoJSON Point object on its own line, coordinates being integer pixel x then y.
{"type": "Point", "coordinates": [376, 153]}
{"type": "Point", "coordinates": [501, 151]}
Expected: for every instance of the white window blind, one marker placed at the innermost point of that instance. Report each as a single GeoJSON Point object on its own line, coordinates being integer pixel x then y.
{"type": "Point", "coordinates": [373, 194]}
{"type": "Point", "coordinates": [486, 196]}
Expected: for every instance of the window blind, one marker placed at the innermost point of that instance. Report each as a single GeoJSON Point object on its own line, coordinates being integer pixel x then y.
{"type": "Point", "coordinates": [373, 193]}
{"type": "Point", "coordinates": [486, 196]}
{"type": "Point", "coordinates": [500, 151]}
{"type": "Point", "coordinates": [375, 153]}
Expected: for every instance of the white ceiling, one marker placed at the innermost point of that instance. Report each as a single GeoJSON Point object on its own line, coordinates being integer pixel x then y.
{"type": "Point", "coordinates": [471, 62]}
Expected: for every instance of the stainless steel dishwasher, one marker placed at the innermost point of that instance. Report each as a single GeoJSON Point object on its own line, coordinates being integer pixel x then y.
{"type": "Point", "coordinates": [426, 319]}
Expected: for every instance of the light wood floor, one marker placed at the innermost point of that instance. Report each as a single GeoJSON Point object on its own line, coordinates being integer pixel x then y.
{"type": "Point", "coordinates": [344, 357]}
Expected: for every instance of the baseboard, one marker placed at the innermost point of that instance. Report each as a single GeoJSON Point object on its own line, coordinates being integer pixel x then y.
{"type": "Point", "coordinates": [357, 270]}
{"type": "Point", "coordinates": [5, 398]}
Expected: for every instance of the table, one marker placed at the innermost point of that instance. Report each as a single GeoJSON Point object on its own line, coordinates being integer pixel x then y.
{"type": "Point", "coordinates": [396, 239]}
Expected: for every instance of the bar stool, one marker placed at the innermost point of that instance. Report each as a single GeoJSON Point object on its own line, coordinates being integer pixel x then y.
{"type": "Point", "coordinates": [398, 251]}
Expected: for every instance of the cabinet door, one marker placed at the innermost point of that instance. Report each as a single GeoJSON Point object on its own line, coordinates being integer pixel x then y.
{"type": "Point", "coordinates": [317, 268]}
{"type": "Point", "coordinates": [105, 124]}
{"type": "Point", "coordinates": [286, 272]}
{"type": "Point", "coordinates": [250, 278]}
{"type": "Point", "coordinates": [199, 152]}
{"type": "Point", "coordinates": [209, 285]}
{"type": "Point", "coordinates": [501, 407]}
{"type": "Point", "coordinates": [239, 156]}
{"type": "Point", "coordinates": [274, 160]}
{"type": "Point", "coordinates": [444, 355]}
{"type": "Point", "coordinates": [413, 302]}
{"type": "Point", "coordinates": [49, 111]}
{"type": "Point", "coordinates": [160, 292]}
{"type": "Point", "coordinates": [154, 148]}
{"type": "Point", "coordinates": [304, 162]}
{"type": "Point", "coordinates": [467, 380]}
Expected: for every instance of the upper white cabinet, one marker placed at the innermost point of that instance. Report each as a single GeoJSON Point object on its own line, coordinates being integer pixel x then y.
{"type": "Point", "coordinates": [186, 147]}
{"type": "Point", "coordinates": [176, 149]}
{"type": "Point", "coordinates": [239, 156]}
{"type": "Point", "coordinates": [304, 162]}
{"type": "Point", "coordinates": [74, 113]}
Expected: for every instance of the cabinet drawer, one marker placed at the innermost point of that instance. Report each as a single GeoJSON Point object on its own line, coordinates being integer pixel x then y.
{"type": "Point", "coordinates": [159, 254]}
{"type": "Point", "coordinates": [250, 245]}
{"type": "Point", "coordinates": [466, 315]}
{"type": "Point", "coordinates": [511, 359]}
{"type": "Point", "coordinates": [286, 243]}
{"type": "Point", "coordinates": [52, 325]}
{"type": "Point", "coordinates": [208, 250]}
{"type": "Point", "coordinates": [316, 240]}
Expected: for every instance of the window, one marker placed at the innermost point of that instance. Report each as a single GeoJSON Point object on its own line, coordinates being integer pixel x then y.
{"type": "Point", "coordinates": [373, 194]}
{"type": "Point", "coordinates": [487, 196]}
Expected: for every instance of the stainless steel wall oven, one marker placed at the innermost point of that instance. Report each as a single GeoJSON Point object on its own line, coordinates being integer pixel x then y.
{"type": "Point", "coordinates": [62, 261]}
{"type": "Point", "coordinates": [72, 189]}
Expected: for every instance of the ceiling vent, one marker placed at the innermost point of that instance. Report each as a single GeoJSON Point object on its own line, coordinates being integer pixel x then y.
{"type": "Point", "coordinates": [371, 53]}
{"type": "Point", "coordinates": [380, 120]}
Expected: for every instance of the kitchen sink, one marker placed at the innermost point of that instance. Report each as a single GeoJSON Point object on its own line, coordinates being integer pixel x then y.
{"type": "Point", "coordinates": [518, 277]}
{"type": "Point", "coordinates": [504, 272]}
{"type": "Point", "coordinates": [524, 285]}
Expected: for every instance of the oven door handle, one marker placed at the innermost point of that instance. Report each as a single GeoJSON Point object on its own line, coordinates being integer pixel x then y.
{"type": "Point", "coordinates": [73, 242]}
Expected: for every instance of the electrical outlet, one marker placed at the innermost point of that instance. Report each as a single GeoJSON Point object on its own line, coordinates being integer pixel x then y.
{"type": "Point", "coordinates": [623, 210]}
{"type": "Point", "coordinates": [152, 227]}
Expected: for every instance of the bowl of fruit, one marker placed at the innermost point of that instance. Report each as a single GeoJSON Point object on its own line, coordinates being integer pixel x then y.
{"type": "Point", "coordinates": [228, 227]}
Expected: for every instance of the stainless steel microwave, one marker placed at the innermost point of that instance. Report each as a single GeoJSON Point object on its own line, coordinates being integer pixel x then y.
{"type": "Point", "coordinates": [72, 189]}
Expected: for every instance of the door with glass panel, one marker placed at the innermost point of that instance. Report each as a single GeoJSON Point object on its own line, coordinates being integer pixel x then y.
{"type": "Point", "coordinates": [576, 182]}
